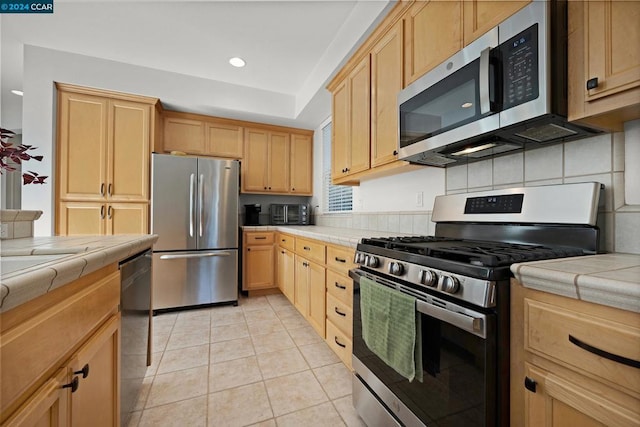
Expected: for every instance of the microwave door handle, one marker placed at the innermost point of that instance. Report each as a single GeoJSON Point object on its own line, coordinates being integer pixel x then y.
{"type": "Point", "coordinates": [483, 84]}
{"type": "Point", "coordinates": [286, 214]}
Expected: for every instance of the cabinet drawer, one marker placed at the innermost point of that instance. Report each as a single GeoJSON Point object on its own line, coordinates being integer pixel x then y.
{"type": "Point", "coordinates": [310, 249]}
{"type": "Point", "coordinates": [286, 241]}
{"type": "Point", "coordinates": [340, 259]}
{"type": "Point", "coordinates": [341, 287]}
{"type": "Point", "coordinates": [340, 315]}
{"type": "Point", "coordinates": [574, 339]}
{"type": "Point", "coordinates": [258, 238]}
{"type": "Point", "coordinates": [339, 343]}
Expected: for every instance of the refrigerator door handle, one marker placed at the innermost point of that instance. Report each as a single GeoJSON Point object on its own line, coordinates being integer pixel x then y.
{"type": "Point", "coordinates": [191, 198]}
{"type": "Point", "coordinates": [201, 200]}
{"type": "Point", "coordinates": [203, 255]}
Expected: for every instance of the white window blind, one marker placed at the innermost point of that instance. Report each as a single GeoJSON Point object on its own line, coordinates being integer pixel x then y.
{"type": "Point", "coordinates": [337, 198]}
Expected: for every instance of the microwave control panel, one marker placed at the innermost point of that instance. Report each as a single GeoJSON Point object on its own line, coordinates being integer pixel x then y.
{"type": "Point", "coordinates": [520, 68]}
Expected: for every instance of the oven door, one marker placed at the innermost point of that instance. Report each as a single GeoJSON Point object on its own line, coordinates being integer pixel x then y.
{"type": "Point", "coordinates": [459, 362]}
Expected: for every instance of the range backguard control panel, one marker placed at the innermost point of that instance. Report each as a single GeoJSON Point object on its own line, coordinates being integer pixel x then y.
{"type": "Point", "coordinates": [507, 203]}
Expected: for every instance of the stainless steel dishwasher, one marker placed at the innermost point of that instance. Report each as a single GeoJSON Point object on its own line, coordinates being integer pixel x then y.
{"type": "Point", "coordinates": [135, 344]}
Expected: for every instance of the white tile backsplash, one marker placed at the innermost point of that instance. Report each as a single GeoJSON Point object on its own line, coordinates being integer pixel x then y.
{"type": "Point", "coordinates": [588, 156]}
{"type": "Point", "coordinates": [600, 158]}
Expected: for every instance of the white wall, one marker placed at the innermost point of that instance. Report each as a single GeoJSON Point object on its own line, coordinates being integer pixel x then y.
{"type": "Point", "coordinates": [43, 67]}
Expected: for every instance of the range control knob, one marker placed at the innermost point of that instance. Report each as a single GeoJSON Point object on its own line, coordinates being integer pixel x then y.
{"type": "Point", "coordinates": [359, 258]}
{"type": "Point", "coordinates": [428, 278]}
{"type": "Point", "coordinates": [450, 284]}
{"type": "Point", "coordinates": [371, 261]}
{"type": "Point", "coordinates": [396, 269]}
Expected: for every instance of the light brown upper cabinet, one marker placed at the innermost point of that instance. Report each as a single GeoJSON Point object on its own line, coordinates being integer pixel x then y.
{"type": "Point", "coordinates": [604, 62]}
{"type": "Point", "coordinates": [104, 147]}
{"type": "Point", "coordinates": [223, 140]}
{"type": "Point", "coordinates": [433, 33]}
{"type": "Point", "coordinates": [481, 15]}
{"type": "Point", "coordinates": [351, 122]}
{"type": "Point", "coordinates": [184, 135]}
{"type": "Point", "coordinates": [265, 168]}
{"type": "Point", "coordinates": [301, 161]}
{"type": "Point", "coordinates": [386, 82]}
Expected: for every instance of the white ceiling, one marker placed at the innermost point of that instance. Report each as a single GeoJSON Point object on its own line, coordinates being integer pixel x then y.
{"type": "Point", "coordinates": [291, 47]}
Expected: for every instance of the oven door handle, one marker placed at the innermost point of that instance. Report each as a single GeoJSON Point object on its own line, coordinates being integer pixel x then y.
{"type": "Point", "coordinates": [471, 324]}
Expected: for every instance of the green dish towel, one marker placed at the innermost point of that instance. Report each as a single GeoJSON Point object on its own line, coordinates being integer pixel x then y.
{"type": "Point", "coordinates": [391, 327]}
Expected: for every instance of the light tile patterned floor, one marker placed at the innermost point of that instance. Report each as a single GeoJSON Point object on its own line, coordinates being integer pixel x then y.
{"type": "Point", "coordinates": [258, 364]}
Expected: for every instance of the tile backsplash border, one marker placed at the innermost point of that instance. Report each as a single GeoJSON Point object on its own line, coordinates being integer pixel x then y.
{"type": "Point", "coordinates": [600, 158]}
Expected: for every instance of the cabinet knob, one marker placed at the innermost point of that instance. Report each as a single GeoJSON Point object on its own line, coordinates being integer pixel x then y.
{"type": "Point", "coordinates": [84, 371]}
{"type": "Point", "coordinates": [248, 249]}
{"type": "Point", "coordinates": [395, 152]}
{"type": "Point", "coordinates": [530, 384]}
{"type": "Point", "coordinates": [293, 189]}
{"type": "Point", "coordinates": [592, 83]}
{"type": "Point", "coordinates": [73, 385]}
{"type": "Point", "coordinates": [269, 188]}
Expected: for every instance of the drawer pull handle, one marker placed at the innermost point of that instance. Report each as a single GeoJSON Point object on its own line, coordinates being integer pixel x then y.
{"type": "Point", "coordinates": [530, 384]}
{"type": "Point", "coordinates": [73, 385]}
{"type": "Point", "coordinates": [338, 342]}
{"type": "Point", "coordinates": [84, 371]}
{"type": "Point", "coordinates": [261, 238]}
{"type": "Point", "coordinates": [605, 354]}
{"type": "Point", "coordinates": [339, 312]}
{"type": "Point", "coordinates": [342, 260]}
{"type": "Point", "coordinates": [339, 286]}
{"type": "Point", "coordinates": [306, 248]}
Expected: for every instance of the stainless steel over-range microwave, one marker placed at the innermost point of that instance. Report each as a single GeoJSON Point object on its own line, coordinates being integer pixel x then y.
{"type": "Point", "coordinates": [506, 89]}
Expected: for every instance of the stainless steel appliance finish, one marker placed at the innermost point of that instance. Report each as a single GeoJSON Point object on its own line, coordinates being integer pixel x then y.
{"type": "Point", "coordinates": [194, 211]}
{"type": "Point", "coordinates": [460, 278]}
{"type": "Point", "coordinates": [504, 91]}
{"type": "Point", "coordinates": [290, 214]}
{"type": "Point", "coordinates": [135, 308]}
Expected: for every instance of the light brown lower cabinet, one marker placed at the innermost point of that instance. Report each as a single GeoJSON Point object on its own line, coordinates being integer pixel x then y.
{"type": "Point", "coordinates": [259, 261]}
{"type": "Point", "coordinates": [309, 292]}
{"type": "Point", "coordinates": [60, 356]}
{"type": "Point", "coordinates": [286, 273]}
{"type": "Point", "coordinates": [572, 362]}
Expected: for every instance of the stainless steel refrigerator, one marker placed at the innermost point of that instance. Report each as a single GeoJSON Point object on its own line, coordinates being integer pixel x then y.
{"type": "Point", "coordinates": [194, 211]}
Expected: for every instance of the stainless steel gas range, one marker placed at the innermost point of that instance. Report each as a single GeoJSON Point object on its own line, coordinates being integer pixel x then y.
{"type": "Point", "coordinates": [459, 279]}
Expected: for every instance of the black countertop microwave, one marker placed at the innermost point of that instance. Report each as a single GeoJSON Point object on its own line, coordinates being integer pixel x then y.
{"type": "Point", "coordinates": [504, 91]}
{"type": "Point", "coordinates": [290, 214]}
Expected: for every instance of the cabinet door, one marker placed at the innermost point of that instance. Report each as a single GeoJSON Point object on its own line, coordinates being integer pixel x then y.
{"type": "Point", "coordinates": [224, 140]}
{"type": "Point", "coordinates": [183, 135]}
{"type": "Point", "coordinates": [301, 164]}
{"type": "Point", "coordinates": [317, 305]}
{"type": "Point", "coordinates": [47, 407]}
{"type": "Point", "coordinates": [259, 264]}
{"type": "Point", "coordinates": [386, 82]}
{"type": "Point", "coordinates": [481, 15]}
{"type": "Point", "coordinates": [127, 218]}
{"type": "Point", "coordinates": [359, 104]}
{"type": "Point", "coordinates": [558, 402]}
{"type": "Point", "coordinates": [129, 151]}
{"type": "Point", "coordinates": [255, 160]}
{"type": "Point", "coordinates": [96, 400]}
{"type": "Point", "coordinates": [301, 293]}
{"type": "Point", "coordinates": [278, 163]}
{"type": "Point", "coordinates": [433, 33]}
{"type": "Point", "coordinates": [286, 273]}
{"type": "Point", "coordinates": [341, 131]}
{"type": "Point", "coordinates": [77, 218]}
{"type": "Point", "coordinates": [82, 146]}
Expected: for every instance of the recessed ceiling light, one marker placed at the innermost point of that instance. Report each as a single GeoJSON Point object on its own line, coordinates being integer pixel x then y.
{"type": "Point", "coordinates": [17, 92]}
{"type": "Point", "coordinates": [237, 62]}
{"type": "Point", "coordinates": [466, 105]}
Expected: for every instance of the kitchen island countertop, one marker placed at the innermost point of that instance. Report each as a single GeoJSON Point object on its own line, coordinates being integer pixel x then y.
{"type": "Point", "coordinates": [33, 266]}
{"type": "Point", "coordinates": [609, 279]}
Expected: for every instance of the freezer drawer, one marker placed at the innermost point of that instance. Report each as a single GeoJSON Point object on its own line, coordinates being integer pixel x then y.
{"type": "Point", "coordinates": [182, 279]}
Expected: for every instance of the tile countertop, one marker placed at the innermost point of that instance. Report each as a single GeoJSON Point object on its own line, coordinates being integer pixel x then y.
{"type": "Point", "coordinates": [64, 259]}
{"type": "Point", "coordinates": [607, 279]}
{"type": "Point", "coordinates": [338, 236]}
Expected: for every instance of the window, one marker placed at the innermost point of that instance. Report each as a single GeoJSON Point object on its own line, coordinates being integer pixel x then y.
{"type": "Point", "coordinates": [337, 198]}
